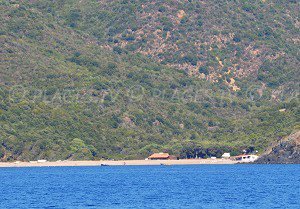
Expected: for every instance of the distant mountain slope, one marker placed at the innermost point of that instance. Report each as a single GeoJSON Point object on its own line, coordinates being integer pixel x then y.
{"type": "Point", "coordinates": [75, 84]}
{"type": "Point", "coordinates": [221, 39]}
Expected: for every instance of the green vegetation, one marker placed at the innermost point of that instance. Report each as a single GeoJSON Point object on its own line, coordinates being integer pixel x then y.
{"type": "Point", "coordinates": [122, 79]}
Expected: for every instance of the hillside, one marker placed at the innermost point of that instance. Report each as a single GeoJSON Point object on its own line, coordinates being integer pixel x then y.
{"type": "Point", "coordinates": [122, 79]}
{"type": "Point", "coordinates": [285, 152]}
{"type": "Point", "coordinates": [212, 39]}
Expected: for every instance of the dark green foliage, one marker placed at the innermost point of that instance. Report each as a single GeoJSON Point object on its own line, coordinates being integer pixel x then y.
{"type": "Point", "coordinates": [92, 80]}
{"type": "Point", "coordinates": [204, 70]}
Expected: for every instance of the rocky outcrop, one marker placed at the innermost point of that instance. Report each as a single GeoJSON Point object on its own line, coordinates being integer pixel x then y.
{"type": "Point", "coordinates": [285, 152]}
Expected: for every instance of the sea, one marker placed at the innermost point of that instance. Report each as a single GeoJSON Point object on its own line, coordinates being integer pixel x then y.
{"type": "Point", "coordinates": [180, 186]}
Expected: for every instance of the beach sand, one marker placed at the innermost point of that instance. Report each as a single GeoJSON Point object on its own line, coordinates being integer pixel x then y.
{"type": "Point", "coordinates": [117, 163]}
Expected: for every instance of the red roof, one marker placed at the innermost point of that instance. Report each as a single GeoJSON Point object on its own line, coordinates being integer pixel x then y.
{"type": "Point", "coordinates": [159, 156]}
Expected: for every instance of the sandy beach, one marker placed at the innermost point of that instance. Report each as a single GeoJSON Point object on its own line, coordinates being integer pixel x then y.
{"type": "Point", "coordinates": [116, 163]}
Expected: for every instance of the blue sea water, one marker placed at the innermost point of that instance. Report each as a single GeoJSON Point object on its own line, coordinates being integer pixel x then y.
{"type": "Point", "coordinates": [197, 186]}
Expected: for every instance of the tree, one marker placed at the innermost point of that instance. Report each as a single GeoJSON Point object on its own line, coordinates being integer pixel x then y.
{"type": "Point", "coordinates": [77, 144]}
{"type": "Point", "coordinates": [204, 70]}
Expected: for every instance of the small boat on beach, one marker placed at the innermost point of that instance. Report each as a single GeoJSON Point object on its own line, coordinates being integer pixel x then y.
{"type": "Point", "coordinates": [165, 164]}
{"type": "Point", "coordinates": [102, 164]}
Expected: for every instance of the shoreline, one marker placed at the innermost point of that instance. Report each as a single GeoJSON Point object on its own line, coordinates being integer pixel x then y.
{"type": "Point", "coordinates": [117, 163]}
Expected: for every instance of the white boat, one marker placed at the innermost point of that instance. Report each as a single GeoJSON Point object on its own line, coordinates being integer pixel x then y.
{"type": "Point", "coordinates": [246, 158]}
